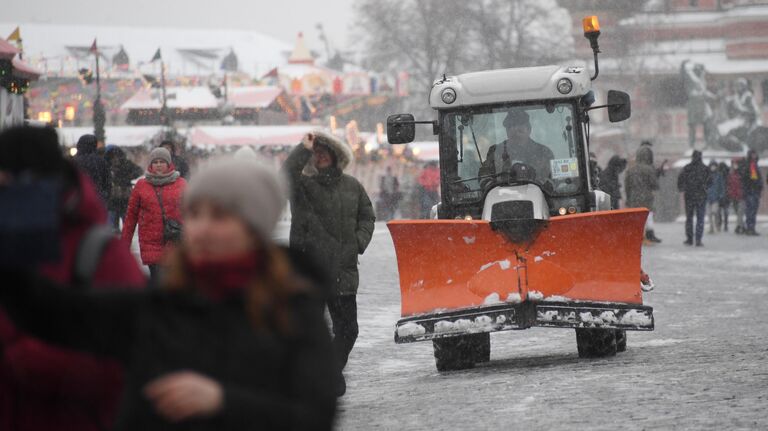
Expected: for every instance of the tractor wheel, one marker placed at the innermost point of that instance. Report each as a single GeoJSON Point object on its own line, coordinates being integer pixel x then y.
{"type": "Point", "coordinates": [454, 353]}
{"type": "Point", "coordinates": [621, 340]}
{"type": "Point", "coordinates": [481, 344]}
{"type": "Point", "coordinates": [596, 343]}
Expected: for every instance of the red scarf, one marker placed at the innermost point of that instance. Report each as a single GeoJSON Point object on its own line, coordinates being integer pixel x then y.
{"type": "Point", "coordinates": [226, 278]}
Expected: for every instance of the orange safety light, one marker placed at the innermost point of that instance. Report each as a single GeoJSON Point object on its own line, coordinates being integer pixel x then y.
{"type": "Point", "coordinates": [591, 24]}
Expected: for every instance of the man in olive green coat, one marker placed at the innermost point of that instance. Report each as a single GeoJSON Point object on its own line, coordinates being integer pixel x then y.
{"type": "Point", "coordinates": [641, 183]}
{"type": "Point", "coordinates": [332, 220]}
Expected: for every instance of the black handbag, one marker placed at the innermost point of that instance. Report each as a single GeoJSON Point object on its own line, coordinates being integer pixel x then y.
{"type": "Point", "coordinates": [171, 228]}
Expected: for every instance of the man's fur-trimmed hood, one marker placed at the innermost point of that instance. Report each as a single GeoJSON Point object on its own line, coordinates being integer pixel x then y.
{"type": "Point", "coordinates": [340, 149]}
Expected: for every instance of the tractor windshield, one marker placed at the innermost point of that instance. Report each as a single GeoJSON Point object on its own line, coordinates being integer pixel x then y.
{"type": "Point", "coordinates": [537, 142]}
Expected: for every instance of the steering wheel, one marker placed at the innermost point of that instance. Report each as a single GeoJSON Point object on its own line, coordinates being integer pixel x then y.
{"type": "Point", "coordinates": [518, 172]}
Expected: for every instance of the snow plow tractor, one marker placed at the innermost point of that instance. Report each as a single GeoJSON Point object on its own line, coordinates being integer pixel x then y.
{"type": "Point", "coordinates": [521, 237]}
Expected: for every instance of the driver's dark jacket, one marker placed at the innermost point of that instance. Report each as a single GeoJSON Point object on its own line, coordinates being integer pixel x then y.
{"type": "Point", "coordinates": [531, 153]}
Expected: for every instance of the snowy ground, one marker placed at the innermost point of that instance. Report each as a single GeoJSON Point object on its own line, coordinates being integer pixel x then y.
{"type": "Point", "coordinates": [705, 366]}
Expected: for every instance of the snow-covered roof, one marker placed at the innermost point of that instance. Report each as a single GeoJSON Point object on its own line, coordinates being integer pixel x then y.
{"type": "Point", "coordinates": [184, 51]}
{"type": "Point", "coordinates": [178, 97]}
{"type": "Point", "coordinates": [716, 63]}
{"type": "Point", "coordinates": [740, 13]}
{"type": "Point", "coordinates": [253, 97]}
{"type": "Point", "coordinates": [209, 136]}
{"type": "Point", "coordinates": [122, 136]}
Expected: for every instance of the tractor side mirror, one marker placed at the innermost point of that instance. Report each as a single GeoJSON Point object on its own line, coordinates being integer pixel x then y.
{"type": "Point", "coordinates": [619, 107]}
{"type": "Point", "coordinates": [401, 128]}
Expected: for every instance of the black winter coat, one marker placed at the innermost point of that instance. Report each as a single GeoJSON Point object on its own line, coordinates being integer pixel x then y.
{"type": "Point", "coordinates": [332, 220]}
{"type": "Point", "coordinates": [750, 186]}
{"type": "Point", "coordinates": [95, 166]}
{"type": "Point", "coordinates": [694, 180]}
{"type": "Point", "coordinates": [123, 172]}
{"type": "Point", "coordinates": [609, 179]}
{"type": "Point", "coordinates": [270, 381]}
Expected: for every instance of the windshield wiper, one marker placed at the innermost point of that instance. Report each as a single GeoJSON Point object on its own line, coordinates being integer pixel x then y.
{"type": "Point", "coordinates": [466, 120]}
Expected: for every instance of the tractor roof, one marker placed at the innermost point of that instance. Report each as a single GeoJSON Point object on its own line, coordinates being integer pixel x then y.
{"type": "Point", "coordinates": [510, 85]}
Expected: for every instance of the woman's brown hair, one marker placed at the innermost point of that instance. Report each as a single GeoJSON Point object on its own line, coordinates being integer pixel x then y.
{"type": "Point", "coordinates": [267, 296]}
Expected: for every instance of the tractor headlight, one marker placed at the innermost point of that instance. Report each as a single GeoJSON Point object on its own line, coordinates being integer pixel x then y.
{"type": "Point", "coordinates": [448, 96]}
{"type": "Point", "coordinates": [564, 85]}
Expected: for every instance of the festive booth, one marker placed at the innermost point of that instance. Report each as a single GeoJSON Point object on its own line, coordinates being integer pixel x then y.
{"type": "Point", "coordinates": [15, 76]}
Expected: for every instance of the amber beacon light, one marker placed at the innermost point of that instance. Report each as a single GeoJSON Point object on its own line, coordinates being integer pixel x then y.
{"type": "Point", "coordinates": [591, 24]}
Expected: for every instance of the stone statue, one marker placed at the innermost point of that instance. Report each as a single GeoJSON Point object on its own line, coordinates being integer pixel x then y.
{"type": "Point", "coordinates": [699, 111]}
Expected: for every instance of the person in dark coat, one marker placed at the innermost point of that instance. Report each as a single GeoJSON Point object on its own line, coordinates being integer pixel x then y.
{"type": "Point", "coordinates": [693, 182]}
{"type": "Point", "coordinates": [180, 162]}
{"type": "Point", "coordinates": [715, 193]}
{"type": "Point", "coordinates": [752, 186]}
{"type": "Point", "coordinates": [161, 184]}
{"type": "Point", "coordinates": [234, 340]}
{"type": "Point", "coordinates": [332, 221]}
{"type": "Point", "coordinates": [44, 386]}
{"type": "Point", "coordinates": [93, 164]}
{"type": "Point", "coordinates": [609, 180]}
{"type": "Point", "coordinates": [122, 174]}
{"type": "Point", "coordinates": [518, 147]}
{"type": "Point", "coordinates": [640, 183]}
{"type": "Point", "coordinates": [725, 201]}
{"type": "Point", "coordinates": [736, 194]}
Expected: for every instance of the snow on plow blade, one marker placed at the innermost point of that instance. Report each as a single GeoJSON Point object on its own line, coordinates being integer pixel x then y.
{"type": "Point", "coordinates": [493, 318]}
{"type": "Point", "coordinates": [451, 265]}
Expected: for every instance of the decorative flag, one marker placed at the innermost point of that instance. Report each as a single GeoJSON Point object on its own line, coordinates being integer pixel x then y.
{"type": "Point", "coordinates": [157, 56]}
{"type": "Point", "coordinates": [94, 49]}
{"type": "Point", "coordinates": [15, 36]}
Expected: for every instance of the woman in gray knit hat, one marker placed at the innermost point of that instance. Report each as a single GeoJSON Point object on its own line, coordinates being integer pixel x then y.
{"type": "Point", "coordinates": [154, 203]}
{"type": "Point", "coordinates": [235, 337]}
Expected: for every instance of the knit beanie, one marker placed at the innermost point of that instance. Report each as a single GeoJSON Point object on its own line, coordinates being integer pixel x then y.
{"type": "Point", "coordinates": [248, 188]}
{"type": "Point", "coordinates": [160, 153]}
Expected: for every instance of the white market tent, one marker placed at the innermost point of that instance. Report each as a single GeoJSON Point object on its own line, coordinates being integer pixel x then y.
{"type": "Point", "coordinates": [217, 136]}
{"type": "Point", "coordinates": [254, 97]}
{"type": "Point", "coordinates": [426, 151]}
{"type": "Point", "coordinates": [122, 136]}
{"type": "Point", "coordinates": [178, 97]}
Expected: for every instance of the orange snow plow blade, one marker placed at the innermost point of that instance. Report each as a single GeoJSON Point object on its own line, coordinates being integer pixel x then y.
{"type": "Point", "coordinates": [455, 264]}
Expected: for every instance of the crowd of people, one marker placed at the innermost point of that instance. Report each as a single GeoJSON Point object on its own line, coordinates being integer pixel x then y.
{"type": "Point", "coordinates": [709, 192]}
{"type": "Point", "coordinates": [229, 329]}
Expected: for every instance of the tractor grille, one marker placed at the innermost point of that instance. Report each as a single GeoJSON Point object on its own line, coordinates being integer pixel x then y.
{"type": "Point", "coordinates": [512, 210]}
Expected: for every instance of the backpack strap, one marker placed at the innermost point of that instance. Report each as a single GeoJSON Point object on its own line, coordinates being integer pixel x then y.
{"type": "Point", "coordinates": [89, 254]}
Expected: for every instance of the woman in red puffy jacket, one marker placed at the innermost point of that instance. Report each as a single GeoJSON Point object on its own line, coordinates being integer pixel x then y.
{"type": "Point", "coordinates": [161, 183]}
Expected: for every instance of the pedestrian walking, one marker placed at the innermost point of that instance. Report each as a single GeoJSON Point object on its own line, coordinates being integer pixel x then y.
{"type": "Point", "coordinates": [389, 195]}
{"type": "Point", "coordinates": [609, 180]}
{"type": "Point", "coordinates": [725, 201]}
{"type": "Point", "coordinates": [155, 205]}
{"type": "Point", "coordinates": [429, 188]}
{"type": "Point", "coordinates": [640, 183]}
{"type": "Point", "coordinates": [44, 386]}
{"type": "Point", "coordinates": [93, 164]}
{"type": "Point", "coordinates": [715, 193]}
{"type": "Point", "coordinates": [752, 186]}
{"type": "Point", "coordinates": [693, 182]}
{"type": "Point", "coordinates": [178, 161]}
{"type": "Point", "coordinates": [736, 194]}
{"type": "Point", "coordinates": [234, 339]}
{"type": "Point", "coordinates": [122, 174]}
{"type": "Point", "coordinates": [332, 221]}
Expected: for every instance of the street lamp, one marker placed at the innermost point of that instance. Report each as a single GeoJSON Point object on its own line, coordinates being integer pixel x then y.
{"type": "Point", "coordinates": [99, 115]}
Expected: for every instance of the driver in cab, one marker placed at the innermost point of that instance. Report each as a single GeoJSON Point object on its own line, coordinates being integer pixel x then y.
{"type": "Point", "coordinates": [518, 148]}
